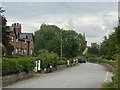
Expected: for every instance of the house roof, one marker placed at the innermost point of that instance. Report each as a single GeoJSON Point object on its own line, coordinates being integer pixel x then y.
{"type": "Point", "coordinates": [21, 36]}
{"type": "Point", "coordinates": [29, 35]}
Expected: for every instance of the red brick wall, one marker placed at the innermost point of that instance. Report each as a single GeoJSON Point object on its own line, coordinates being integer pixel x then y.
{"type": "Point", "coordinates": [21, 46]}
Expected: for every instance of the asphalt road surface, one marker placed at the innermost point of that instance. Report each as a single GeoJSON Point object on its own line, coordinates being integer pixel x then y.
{"type": "Point", "coordinates": [85, 75]}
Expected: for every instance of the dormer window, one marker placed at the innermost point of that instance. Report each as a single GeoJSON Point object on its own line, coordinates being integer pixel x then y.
{"type": "Point", "coordinates": [12, 38]}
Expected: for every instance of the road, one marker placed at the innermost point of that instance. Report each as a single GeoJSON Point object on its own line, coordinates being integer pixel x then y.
{"type": "Point", "coordinates": [85, 75]}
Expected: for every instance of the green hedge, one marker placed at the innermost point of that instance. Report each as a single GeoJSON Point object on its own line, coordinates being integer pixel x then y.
{"type": "Point", "coordinates": [100, 60]}
{"type": "Point", "coordinates": [62, 62]}
{"type": "Point", "coordinates": [16, 65]}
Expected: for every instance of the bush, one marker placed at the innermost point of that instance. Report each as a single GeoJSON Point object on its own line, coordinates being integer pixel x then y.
{"type": "Point", "coordinates": [16, 65]}
{"type": "Point", "coordinates": [48, 58]}
{"type": "Point", "coordinates": [2, 50]}
{"type": "Point", "coordinates": [62, 62]}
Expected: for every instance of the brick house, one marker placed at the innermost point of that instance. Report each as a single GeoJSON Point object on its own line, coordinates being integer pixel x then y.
{"type": "Point", "coordinates": [23, 42]}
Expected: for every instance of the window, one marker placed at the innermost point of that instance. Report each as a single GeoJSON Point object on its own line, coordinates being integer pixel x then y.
{"type": "Point", "coordinates": [16, 50]}
{"type": "Point", "coordinates": [25, 50]}
{"type": "Point", "coordinates": [25, 41]}
{"type": "Point", "coordinates": [19, 50]}
{"type": "Point", "coordinates": [16, 40]}
{"type": "Point", "coordinates": [31, 51]}
{"type": "Point", "coordinates": [12, 38]}
{"type": "Point", "coordinates": [22, 51]}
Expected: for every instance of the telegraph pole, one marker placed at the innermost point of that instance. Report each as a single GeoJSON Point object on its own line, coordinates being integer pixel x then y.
{"type": "Point", "coordinates": [61, 46]}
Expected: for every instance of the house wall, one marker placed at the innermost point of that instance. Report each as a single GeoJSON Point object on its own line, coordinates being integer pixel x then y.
{"type": "Point", "coordinates": [20, 46]}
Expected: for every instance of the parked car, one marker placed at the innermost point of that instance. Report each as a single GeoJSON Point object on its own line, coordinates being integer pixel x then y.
{"type": "Point", "coordinates": [82, 60]}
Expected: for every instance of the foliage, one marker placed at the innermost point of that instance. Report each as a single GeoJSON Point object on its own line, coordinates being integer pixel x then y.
{"type": "Point", "coordinates": [111, 45]}
{"type": "Point", "coordinates": [114, 83]}
{"type": "Point", "coordinates": [0, 66]}
{"type": "Point", "coordinates": [62, 62]}
{"type": "Point", "coordinates": [3, 50]}
{"type": "Point", "coordinates": [49, 38]}
{"type": "Point", "coordinates": [93, 49]}
{"type": "Point", "coordinates": [16, 65]}
{"type": "Point", "coordinates": [114, 63]}
{"type": "Point", "coordinates": [5, 33]}
{"type": "Point", "coordinates": [48, 58]}
{"type": "Point", "coordinates": [5, 37]}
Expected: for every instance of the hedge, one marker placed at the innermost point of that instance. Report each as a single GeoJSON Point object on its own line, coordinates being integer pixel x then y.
{"type": "Point", "coordinates": [16, 65]}
{"type": "Point", "coordinates": [62, 62]}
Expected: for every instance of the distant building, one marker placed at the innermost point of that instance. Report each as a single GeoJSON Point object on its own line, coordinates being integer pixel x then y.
{"type": "Point", "coordinates": [85, 40]}
{"type": "Point", "coordinates": [23, 42]}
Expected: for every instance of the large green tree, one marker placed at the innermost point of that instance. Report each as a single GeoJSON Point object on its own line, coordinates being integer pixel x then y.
{"type": "Point", "coordinates": [48, 37]}
{"type": "Point", "coordinates": [110, 46]}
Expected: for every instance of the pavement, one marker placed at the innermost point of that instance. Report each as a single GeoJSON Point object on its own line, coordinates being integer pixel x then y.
{"type": "Point", "coordinates": [85, 75]}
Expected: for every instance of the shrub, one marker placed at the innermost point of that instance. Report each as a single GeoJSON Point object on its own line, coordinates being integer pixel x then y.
{"type": "Point", "coordinates": [48, 58]}
{"type": "Point", "coordinates": [62, 62]}
{"type": "Point", "coordinates": [2, 50]}
{"type": "Point", "coordinates": [16, 65]}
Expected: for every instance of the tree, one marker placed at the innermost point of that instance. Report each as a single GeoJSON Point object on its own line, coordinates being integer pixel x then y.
{"type": "Point", "coordinates": [48, 37]}
{"type": "Point", "coordinates": [93, 49]}
{"type": "Point", "coordinates": [5, 33]}
{"type": "Point", "coordinates": [5, 37]}
{"type": "Point", "coordinates": [110, 47]}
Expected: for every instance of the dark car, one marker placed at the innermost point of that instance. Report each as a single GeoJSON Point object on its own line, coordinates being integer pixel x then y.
{"type": "Point", "coordinates": [82, 60]}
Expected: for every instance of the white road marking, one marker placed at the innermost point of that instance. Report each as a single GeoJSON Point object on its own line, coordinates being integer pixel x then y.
{"type": "Point", "coordinates": [106, 77]}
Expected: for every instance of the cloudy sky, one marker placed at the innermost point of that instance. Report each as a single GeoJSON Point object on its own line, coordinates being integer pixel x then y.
{"type": "Point", "coordinates": [95, 19]}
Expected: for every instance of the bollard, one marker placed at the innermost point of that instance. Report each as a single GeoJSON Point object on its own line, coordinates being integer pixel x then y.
{"type": "Point", "coordinates": [68, 63]}
{"type": "Point", "coordinates": [50, 68]}
{"type": "Point", "coordinates": [44, 69]}
{"type": "Point", "coordinates": [35, 69]}
{"type": "Point", "coordinates": [74, 62]}
{"type": "Point", "coordinates": [39, 65]}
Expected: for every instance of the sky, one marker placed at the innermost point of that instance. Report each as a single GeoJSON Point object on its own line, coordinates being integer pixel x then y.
{"type": "Point", "coordinates": [95, 19]}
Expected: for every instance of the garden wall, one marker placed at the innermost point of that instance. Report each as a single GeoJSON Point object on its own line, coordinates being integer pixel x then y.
{"type": "Point", "coordinates": [15, 77]}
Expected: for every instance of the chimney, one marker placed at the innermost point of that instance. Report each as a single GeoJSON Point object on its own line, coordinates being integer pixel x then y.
{"type": "Point", "coordinates": [17, 27]}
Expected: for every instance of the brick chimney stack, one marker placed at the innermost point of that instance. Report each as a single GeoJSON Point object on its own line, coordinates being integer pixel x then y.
{"type": "Point", "coordinates": [17, 27]}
